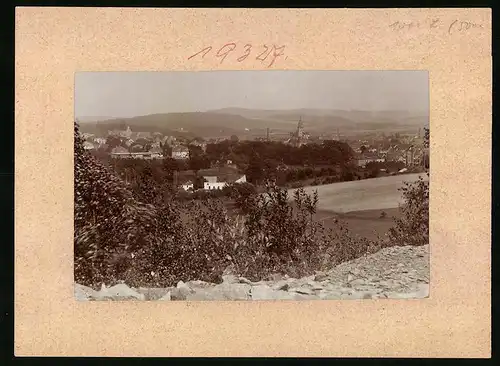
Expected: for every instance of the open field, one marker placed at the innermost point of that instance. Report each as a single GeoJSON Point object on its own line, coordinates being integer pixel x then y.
{"type": "Point", "coordinates": [361, 195]}
{"type": "Point", "coordinates": [367, 223]}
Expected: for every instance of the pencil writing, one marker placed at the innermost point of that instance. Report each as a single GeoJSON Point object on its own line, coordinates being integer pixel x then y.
{"type": "Point", "coordinates": [266, 54]}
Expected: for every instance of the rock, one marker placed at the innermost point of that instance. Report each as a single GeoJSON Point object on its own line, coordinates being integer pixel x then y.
{"type": "Point", "coordinates": [181, 291]}
{"type": "Point", "coordinates": [120, 292]}
{"type": "Point", "coordinates": [308, 278]}
{"type": "Point", "coordinates": [224, 291]}
{"type": "Point", "coordinates": [346, 290]}
{"type": "Point", "coordinates": [264, 292]}
{"type": "Point", "coordinates": [350, 277]}
{"type": "Point", "coordinates": [166, 297]}
{"type": "Point", "coordinates": [357, 295]}
{"type": "Point", "coordinates": [180, 294]}
{"type": "Point", "coordinates": [198, 284]}
{"type": "Point", "coordinates": [205, 295]}
{"type": "Point", "coordinates": [421, 293]}
{"type": "Point", "coordinates": [317, 287]}
{"type": "Point", "coordinates": [302, 290]}
{"type": "Point", "coordinates": [320, 276]}
{"type": "Point", "coordinates": [245, 280]}
{"type": "Point", "coordinates": [357, 282]}
{"type": "Point", "coordinates": [330, 295]}
{"type": "Point", "coordinates": [154, 293]}
{"type": "Point", "coordinates": [236, 291]}
{"type": "Point", "coordinates": [281, 285]}
{"type": "Point", "coordinates": [84, 293]}
{"type": "Point", "coordinates": [298, 296]}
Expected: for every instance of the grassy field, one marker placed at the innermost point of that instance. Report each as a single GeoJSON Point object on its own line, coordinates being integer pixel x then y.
{"type": "Point", "coordinates": [361, 195]}
{"type": "Point", "coordinates": [366, 223]}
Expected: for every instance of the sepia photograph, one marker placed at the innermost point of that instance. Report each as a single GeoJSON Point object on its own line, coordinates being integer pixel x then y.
{"type": "Point", "coordinates": [251, 185]}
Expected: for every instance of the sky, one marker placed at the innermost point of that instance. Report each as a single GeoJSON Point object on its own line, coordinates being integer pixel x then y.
{"type": "Point", "coordinates": [129, 94]}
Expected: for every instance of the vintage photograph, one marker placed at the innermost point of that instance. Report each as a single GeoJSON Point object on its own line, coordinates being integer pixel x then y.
{"type": "Point", "coordinates": [251, 185]}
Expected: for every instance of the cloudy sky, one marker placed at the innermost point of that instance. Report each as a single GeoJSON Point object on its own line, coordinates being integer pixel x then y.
{"type": "Point", "coordinates": [128, 94]}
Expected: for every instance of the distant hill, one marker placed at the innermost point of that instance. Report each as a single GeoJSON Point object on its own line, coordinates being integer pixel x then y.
{"type": "Point", "coordinates": [246, 123]}
{"type": "Point", "coordinates": [93, 119]}
{"type": "Point", "coordinates": [350, 115]}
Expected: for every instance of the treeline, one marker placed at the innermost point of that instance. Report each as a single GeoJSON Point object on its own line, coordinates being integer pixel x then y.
{"type": "Point", "coordinates": [241, 152]}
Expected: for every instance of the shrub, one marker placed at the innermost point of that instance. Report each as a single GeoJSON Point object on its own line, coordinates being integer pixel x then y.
{"type": "Point", "coordinates": [413, 226]}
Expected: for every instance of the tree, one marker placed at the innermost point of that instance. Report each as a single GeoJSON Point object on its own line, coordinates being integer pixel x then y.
{"type": "Point", "coordinates": [413, 226]}
{"type": "Point", "coordinates": [199, 182]}
{"type": "Point", "coordinates": [363, 149]}
{"type": "Point", "coordinates": [197, 159]}
{"type": "Point", "coordinates": [234, 138]}
{"type": "Point", "coordinates": [255, 169]}
{"type": "Point", "coordinates": [112, 142]}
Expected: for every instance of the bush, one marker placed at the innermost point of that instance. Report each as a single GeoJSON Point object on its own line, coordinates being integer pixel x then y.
{"type": "Point", "coordinates": [413, 226]}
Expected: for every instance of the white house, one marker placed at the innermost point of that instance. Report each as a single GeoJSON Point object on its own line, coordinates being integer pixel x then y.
{"type": "Point", "coordinates": [188, 186]}
{"type": "Point", "coordinates": [211, 182]}
{"type": "Point", "coordinates": [243, 179]}
{"type": "Point", "coordinates": [88, 145]}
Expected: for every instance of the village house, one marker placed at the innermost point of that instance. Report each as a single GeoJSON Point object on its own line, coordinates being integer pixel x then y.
{"type": "Point", "coordinates": [87, 145]}
{"type": "Point", "coordinates": [129, 142]}
{"type": "Point", "coordinates": [213, 182]}
{"type": "Point", "coordinates": [120, 152]}
{"type": "Point", "coordinates": [156, 152]}
{"type": "Point", "coordinates": [217, 178]}
{"type": "Point", "coordinates": [364, 159]}
{"type": "Point", "coordinates": [87, 136]}
{"type": "Point", "coordinates": [99, 140]}
{"type": "Point", "coordinates": [180, 152]}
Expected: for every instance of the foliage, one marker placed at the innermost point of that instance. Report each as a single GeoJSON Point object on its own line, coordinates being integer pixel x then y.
{"type": "Point", "coordinates": [109, 221]}
{"type": "Point", "coordinates": [413, 226]}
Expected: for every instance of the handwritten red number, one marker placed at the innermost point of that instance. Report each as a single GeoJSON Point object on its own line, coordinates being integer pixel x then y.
{"type": "Point", "coordinates": [205, 50]}
{"type": "Point", "coordinates": [248, 47]}
{"type": "Point", "coordinates": [277, 52]}
{"type": "Point", "coordinates": [266, 52]}
{"type": "Point", "coordinates": [225, 53]}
